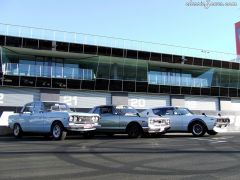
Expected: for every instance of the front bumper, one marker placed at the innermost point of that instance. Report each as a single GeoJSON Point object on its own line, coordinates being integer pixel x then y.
{"type": "Point", "coordinates": [157, 129]}
{"type": "Point", "coordinates": [221, 124]}
{"type": "Point", "coordinates": [82, 127]}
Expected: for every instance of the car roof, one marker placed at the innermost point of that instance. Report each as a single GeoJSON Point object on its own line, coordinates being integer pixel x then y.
{"type": "Point", "coordinates": [112, 105]}
{"type": "Point", "coordinates": [163, 107]}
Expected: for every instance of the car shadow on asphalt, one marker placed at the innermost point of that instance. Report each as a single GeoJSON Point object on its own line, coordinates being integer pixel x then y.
{"type": "Point", "coordinates": [100, 137]}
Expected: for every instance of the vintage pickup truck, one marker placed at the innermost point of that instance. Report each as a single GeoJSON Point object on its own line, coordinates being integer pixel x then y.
{"type": "Point", "coordinates": [52, 119]}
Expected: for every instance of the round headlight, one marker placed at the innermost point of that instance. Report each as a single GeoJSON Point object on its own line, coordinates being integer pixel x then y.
{"type": "Point", "coordinates": [75, 118]}
{"type": "Point", "coordinates": [71, 118]}
{"type": "Point", "coordinates": [95, 119]}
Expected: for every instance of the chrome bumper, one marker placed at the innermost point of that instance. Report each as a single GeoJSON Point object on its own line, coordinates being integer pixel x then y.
{"type": "Point", "coordinates": [220, 124]}
{"type": "Point", "coordinates": [156, 129]}
{"type": "Point", "coordinates": [82, 127]}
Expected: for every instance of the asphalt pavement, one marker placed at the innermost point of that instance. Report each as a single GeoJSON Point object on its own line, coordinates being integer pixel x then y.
{"type": "Point", "coordinates": [172, 156]}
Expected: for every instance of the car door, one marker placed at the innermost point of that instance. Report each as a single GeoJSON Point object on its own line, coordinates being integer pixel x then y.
{"type": "Point", "coordinates": [24, 118]}
{"type": "Point", "coordinates": [36, 118]}
{"type": "Point", "coordinates": [109, 119]}
{"type": "Point", "coordinates": [176, 121]}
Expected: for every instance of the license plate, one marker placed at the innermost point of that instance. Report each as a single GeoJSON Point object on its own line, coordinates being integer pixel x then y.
{"type": "Point", "coordinates": [88, 126]}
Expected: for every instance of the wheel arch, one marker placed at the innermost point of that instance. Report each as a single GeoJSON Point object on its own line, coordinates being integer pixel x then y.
{"type": "Point", "coordinates": [132, 123]}
{"type": "Point", "coordinates": [17, 123]}
{"type": "Point", "coordinates": [56, 121]}
{"type": "Point", "coordinates": [196, 121]}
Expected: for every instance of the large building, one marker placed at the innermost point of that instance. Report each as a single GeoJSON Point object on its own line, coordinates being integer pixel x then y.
{"type": "Point", "coordinates": [41, 64]}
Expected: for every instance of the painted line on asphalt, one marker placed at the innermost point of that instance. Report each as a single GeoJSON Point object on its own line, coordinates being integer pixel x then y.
{"type": "Point", "coordinates": [214, 140]}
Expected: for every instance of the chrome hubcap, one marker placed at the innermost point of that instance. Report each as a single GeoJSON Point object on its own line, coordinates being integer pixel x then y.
{"type": "Point", "coordinates": [16, 130]}
{"type": "Point", "coordinates": [197, 129]}
{"type": "Point", "coordinates": [56, 131]}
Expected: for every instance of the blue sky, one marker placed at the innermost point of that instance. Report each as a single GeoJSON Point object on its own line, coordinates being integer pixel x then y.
{"type": "Point", "coordinates": [163, 21]}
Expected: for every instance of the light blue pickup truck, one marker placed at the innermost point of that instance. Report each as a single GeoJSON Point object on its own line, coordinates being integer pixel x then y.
{"type": "Point", "coordinates": [52, 119]}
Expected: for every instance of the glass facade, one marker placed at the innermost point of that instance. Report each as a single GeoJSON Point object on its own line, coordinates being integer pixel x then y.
{"type": "Point", "coordinates": [79, 66]}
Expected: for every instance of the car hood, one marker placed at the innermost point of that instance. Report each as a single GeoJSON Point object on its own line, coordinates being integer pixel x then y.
{"type": "Point", "coordinates": [195, 116]}
{"type": "Point", "coordinates": [82, 114]}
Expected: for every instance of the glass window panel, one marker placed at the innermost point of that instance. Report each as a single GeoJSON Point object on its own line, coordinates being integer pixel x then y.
{"type": "Point", "coordinates": [27, 68]}
{"type": "Point", "coordinates": [142, 68]}
{"type": "Point", "coordinates": [90, 63]}
{"type": "Point", "coordinates": [116, 70]}
{"type": "Point", "coordinates": [103, 70]}
{"type": "Point", "coordinates": [234, 78]}
{"type": "Point", "coordinates": [224, 78]}
{"type": "Point", "coordinates": [130, 69]}
{"type": "Point", "coordinates": [71, 71]}
{"type": "Point", "coordinates": [57, 68]}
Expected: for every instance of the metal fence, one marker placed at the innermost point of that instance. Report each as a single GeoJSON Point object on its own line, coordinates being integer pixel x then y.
{"type": "Point", "coordinates": [98, 40]}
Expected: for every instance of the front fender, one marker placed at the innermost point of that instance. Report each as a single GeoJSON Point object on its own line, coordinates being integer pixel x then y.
{"type": "Point", "coordinates": [196, 120]}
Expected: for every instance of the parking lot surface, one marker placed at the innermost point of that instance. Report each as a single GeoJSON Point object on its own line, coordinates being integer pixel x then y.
{"type": "Point", "coordinates": [172, 156]}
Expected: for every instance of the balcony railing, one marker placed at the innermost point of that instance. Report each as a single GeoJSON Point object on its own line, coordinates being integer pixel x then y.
{"type": "Point", "coordinates": [98, 40]}
{"type": "Point", "coordinates": [33, 70]}
{"type": "Point", "coordinates": [47, 71]}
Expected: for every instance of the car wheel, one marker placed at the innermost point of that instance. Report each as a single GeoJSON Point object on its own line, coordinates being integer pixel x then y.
{"type": "Point", "coordinates": [134, 131]}
{"type": "Point", "coordinates": [212, 132]}
{"type": "Point", "coordinates": [58, 132]}
{"type": "Point", "coordinates": [17, 131]}
{"type": "Point", "coordinates": [88, 135]}
{"type": "Point", "coordinates": [198, 129]}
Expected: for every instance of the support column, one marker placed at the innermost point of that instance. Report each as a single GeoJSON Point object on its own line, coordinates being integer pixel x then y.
{"type": "Point", "coordinates": [177, 101]}
{"type": "Point", "coordinates": [119, 98]}
{"type": "Point", "coordinates": [49, 95]}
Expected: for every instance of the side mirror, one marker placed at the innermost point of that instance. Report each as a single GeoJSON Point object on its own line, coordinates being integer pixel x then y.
{"type": "Point", "coordinates": [204, 114]}
{"type": "Point", "coordinates": [138, 114]}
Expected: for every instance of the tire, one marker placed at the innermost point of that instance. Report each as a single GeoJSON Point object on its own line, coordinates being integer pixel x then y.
{"type": "Point", "coordinates": [58, 132]}
{"type": "Point", "coordinates": [17, 131]}
{"type": "Point", "coordinates": [88, 135]}
{"type": "Point", "coordinates": [134, 131]}
{"type": "Point", "coordinates": [212, 132]}
{"type": "Point", "coordinates": [198, 129]}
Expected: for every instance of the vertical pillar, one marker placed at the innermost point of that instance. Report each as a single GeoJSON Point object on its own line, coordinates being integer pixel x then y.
{"type": "Point", "coordinates": [119, 98]}
{"type": "Point", "coordinates": [176, 100]}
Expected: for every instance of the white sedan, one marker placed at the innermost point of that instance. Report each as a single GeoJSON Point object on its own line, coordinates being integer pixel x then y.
{"type": "Point", "coordinates": [183, 120]}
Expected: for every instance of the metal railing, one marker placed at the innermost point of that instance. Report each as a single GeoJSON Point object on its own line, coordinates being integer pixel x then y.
{"type": "Point", "coordinates": [33, 70]}
{"type": "Point", "coordinates": [98, 40]}
{"type": "Point", "coordinates": [46, 71]}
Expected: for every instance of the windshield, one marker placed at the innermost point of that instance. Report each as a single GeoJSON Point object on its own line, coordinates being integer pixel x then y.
{"type": "Point", "coordinates": [183, 111]}
{"type": "Point", "coordinates": [54, 106]}
{"type": "Point", "coordinates": [126, 110]}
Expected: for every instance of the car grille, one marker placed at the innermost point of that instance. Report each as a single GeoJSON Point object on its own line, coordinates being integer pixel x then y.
{"type": "Point", "coordinates": [161, 121]}
{"type": "Point", "coordinates": [223, 120]}
{"type": "Point", "coordinates": [82, 119]}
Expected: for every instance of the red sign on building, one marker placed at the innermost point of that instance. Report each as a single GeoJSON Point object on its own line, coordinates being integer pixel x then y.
{"type": "Point", "coordinates": [237, 32]}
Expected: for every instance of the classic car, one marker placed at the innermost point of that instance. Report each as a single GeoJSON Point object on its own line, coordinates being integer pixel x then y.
{"type": "Point", "coordinates": [125, 119]}
{"type": "Point", "coordinates": [183, 120]}
{"type": "Point", "coordinates": [52, 119]}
